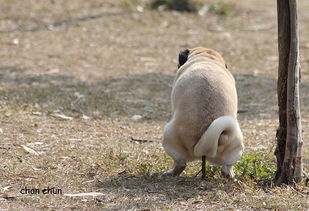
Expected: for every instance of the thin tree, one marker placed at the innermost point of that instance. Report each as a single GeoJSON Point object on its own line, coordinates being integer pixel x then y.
{"type": "Point", "coordinates": [289, 137]}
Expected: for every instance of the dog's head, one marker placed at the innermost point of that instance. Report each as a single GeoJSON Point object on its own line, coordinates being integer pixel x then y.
{"type": "Point", "coordinates": [185, 55]}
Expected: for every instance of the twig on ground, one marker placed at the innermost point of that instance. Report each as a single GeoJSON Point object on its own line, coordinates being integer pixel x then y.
{"type": "Point", "coordinates": [198, 173]}
{"type": "Point", "coordinates": [6, 196]}
{"type": "Point", "coordinates": [141, 140]}
{"type": "Point", "coordinates": [242, 111]}
{"type": "Point", "coordinates": [296, 191]}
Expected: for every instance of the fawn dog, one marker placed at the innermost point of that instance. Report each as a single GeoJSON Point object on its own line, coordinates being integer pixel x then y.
{"type": "Point", "coordinates": [204, 113]}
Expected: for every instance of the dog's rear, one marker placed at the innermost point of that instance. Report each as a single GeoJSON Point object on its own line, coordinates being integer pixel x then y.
{"type": "Point", "coordinates": [203, 99]}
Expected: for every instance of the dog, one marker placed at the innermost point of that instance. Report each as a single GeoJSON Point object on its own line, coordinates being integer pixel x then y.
{"type": "Point", "coordinates": [204, 113]}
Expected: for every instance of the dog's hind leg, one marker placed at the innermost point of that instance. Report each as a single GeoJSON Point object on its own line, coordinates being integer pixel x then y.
{"type": "Point", "coordinates": [171, 146]}
{"type": "Point", "coordinates": [179, 162]}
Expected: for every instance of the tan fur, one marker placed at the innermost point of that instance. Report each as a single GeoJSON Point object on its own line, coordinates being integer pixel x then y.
{"type": "Point", "coordinates": [203, 91]}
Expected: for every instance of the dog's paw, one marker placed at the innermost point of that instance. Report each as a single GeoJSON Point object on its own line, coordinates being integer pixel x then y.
{"type": "Point", "coordinates": [227, 172]}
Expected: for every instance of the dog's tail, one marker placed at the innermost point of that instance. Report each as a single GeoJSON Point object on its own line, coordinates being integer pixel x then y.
{"type": "Point", "coordinates": [208, 143]}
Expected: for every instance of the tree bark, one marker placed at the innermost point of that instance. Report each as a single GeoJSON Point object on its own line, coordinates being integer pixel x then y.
{"type": "Point", "coordinates": [284, 50]}
{"type": "Point", "coordinates": [289, 138]}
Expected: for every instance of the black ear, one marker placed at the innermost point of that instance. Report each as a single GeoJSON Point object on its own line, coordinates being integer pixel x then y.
{"type": "Point", "coordinates": [183, 57]}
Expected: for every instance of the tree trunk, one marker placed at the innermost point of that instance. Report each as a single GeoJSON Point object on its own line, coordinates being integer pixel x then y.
{"type": "Point", "coordinates": [284, 50]}
{"type": "Point", "coordinates": [289, 139]}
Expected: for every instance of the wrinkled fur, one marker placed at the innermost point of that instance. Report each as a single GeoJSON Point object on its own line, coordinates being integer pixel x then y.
{"type": "Point", "coordinates": [204, 110]}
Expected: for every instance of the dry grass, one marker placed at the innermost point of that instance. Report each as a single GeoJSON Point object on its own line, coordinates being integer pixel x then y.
{"type": "Point", "coordinates": [99, 64]}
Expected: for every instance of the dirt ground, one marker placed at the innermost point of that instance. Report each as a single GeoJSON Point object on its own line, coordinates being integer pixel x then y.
{"type": "Point", "coordinates": [82, 81]}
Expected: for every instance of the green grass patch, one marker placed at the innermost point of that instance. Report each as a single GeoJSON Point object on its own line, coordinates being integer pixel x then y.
{"type": "Point", "coordinates": [256, 166]}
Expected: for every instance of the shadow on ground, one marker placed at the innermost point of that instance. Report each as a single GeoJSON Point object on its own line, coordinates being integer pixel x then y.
{"type": "Point", "coordinates": [145, 94]}
{"type": "Point", "coordinates": [159, 190]}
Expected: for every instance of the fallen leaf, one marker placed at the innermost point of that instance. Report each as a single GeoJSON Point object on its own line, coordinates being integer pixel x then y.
{"type": "Point", "coordinates": [37, 113]}
{"type": "Point", "coordinates": [53, 71]}
{"type": "Point", "coordinates": [204, 10]}
{"type": "Point", "coordinates": [6, 188]}
{"type": "Point", "coordinates": [78, 95]}
{"type": "Point", "coordinates": [85, 117]}
{"type": "Point", "coordinates": [35, 143]}
{"type": "Point", "coordinates": [139, 8]}
{"type": "Point", "coordinates": [83, 194]}
{"type": "Point", "coordinates": [136, 117]}
{"type": "Point", "coordinates": [15, 41]}
{"type": "Point", "coordinates": [62, 116]}
{"type": "Point", "coordinates": [28, 149]}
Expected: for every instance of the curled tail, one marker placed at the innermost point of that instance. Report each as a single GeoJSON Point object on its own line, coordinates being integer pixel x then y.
{"type": "Point", "coordinates": [210, 140]}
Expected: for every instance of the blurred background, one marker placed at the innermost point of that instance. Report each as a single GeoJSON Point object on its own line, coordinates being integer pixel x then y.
{"type": "Point", "coordinates": [125, 45]}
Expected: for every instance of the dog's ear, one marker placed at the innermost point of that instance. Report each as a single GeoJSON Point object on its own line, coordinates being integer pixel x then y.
{"type": "Point", "coordinates": [183, 57]}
